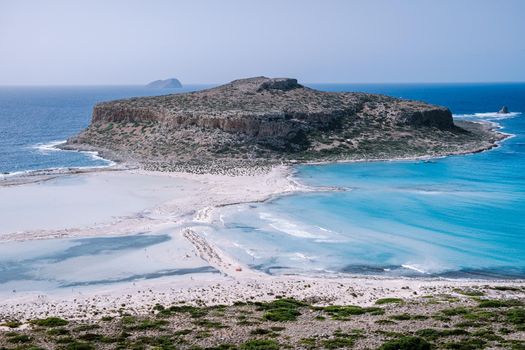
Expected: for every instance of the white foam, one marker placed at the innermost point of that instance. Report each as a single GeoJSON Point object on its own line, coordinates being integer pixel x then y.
{"type": "Point", "coordinates": [414, 268]}
{"type": "Point", "coordinates": [52, 146]}
{"type": "Point", "coordinates": [95, 156]}
{"type": "Point", "coordinates": [300, 256]}
{"type": "Point", "coordinates": [45, 148]}
{"type": "Point", "coordinates": [323, 240]}
{"type": "Point", "coordinates": [287, 227]}
{"type": "Point", "coordinates": [489, 115]}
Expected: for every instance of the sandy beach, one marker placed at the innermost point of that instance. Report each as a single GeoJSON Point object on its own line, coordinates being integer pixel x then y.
{"type": "Point", "coordinates": [126, 202]}
{"type": "Point", "coordinates": [121, 202]}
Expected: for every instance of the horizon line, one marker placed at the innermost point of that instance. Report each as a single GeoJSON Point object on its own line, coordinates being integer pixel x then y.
{"type": "Point", "coordinates": [304, 83]}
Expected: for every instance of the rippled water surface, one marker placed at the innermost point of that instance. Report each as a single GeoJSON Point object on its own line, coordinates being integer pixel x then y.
{"type": "Point", "coordinates": [461, 216]}
{"type": "Point", "coordinates": [33, 119]}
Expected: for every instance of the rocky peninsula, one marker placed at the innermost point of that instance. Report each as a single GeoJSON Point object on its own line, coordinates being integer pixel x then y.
{"type": "Point", "coordinates": [259, 122]}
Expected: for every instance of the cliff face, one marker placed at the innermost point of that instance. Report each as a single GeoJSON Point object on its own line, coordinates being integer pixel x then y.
{"type": "Point", "coordinates": [262, 107]}
{"type": "Point", "coordinates": [268, 120]}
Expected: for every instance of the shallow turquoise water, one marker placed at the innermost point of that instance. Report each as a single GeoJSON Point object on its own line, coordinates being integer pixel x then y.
{"type": "Point", "coordinates": [76, 262]}
{"type": "Point", "coordinates": [461, 216]}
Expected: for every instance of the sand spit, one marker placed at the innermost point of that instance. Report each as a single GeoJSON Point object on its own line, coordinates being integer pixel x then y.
{"type": "Point", "coordinates": [177, 203]}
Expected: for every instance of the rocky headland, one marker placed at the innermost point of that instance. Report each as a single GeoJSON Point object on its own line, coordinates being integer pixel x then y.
{"type": "Point", "coordinates": [258, 122]}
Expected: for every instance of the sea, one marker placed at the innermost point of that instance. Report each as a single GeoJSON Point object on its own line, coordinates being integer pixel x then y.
{"type": "Point", "coordinates": [33, 120]}
{"type": "Point", "coordinates": [452, 217]}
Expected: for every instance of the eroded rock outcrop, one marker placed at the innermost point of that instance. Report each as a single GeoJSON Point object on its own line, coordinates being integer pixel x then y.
{"type": "Point", "coordinates": [504, 110]}
{"type": "Point", "coordinates": [270, 120]}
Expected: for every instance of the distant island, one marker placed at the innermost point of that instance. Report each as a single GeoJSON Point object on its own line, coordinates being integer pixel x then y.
{"type": "Point", "coordinates": [259, 122]}
{"type": "Point", "coordinates": [165, 84]}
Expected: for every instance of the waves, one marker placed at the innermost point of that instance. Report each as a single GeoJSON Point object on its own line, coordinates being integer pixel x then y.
{"type": "Point", "coordinates": [488, 115]}
{"type": "Point", "coordinates": [45, 148]}
{"type": "Point", "coordinates": [50, 148]}
{"type": "Point", "coordinates": [55, 160]}
{"type": "Point", "coordinates": [289, 227]}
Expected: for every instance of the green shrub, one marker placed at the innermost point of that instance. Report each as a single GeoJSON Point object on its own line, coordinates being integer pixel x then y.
{"type": "Point", "coordinates": [337, 343]}
{"type": "Point", "coordinates": [453, 332]}
{"type": "Point", "coordinates": [401, 317]}
{"type": "Point", "coordinates": [433, 334]}
{"type": "Point", "coordinates": [78, 346]}
{"type": "Point", "coordinates": [150, 324]}
{"type": "Point", "coordinates": [428, 333]}
{"type": "Point", "coordinates": [287, 303]}
{"type": "Point", "coordinates": [466, 344]}
{"type": "Point", "coordinates": [260, 344]}
{"type": "Point", "coordinates": [455, 311]}
{"type": "Point", "coordinates": [406, 343]}
{"type": "Point", "coordinates": [281, 315]}
{"type": "Point", "coordinates": [91, 337]}
{"type": "Point", "coordinates": [86, 327]}
{"type": "Point", "coordinates": [209, 324]}
{"type": "Point", "coordinates": [281, 310]}
{"type": "Point", "coordinates": [58, 331]}
{"type": "Point", "coordinates": [260, 331]}
{"type": "Point", "coordinates": [516, 316]}
{"type": "Point", "coordinates": [344, 312]}
{"type": "Point", "coordinates": [469, 292]}
{"type": "Point", "coordinates": [389, 301]}
{"type": "Point", "coordinates": [193, 311]}
{"type": "Point", "coordinates": [19, 339]}
{"type": "Point", "coordinates": [383, 321]}
{"type": "Point", "coordinates": [499, 303]}
{"type": "Point", "coordinates": [487, 334]}
{"type": "Point", "coordinates": [223, 347]}
{"type": "Point", "coordinates": [50, 322]}
{"type": "Point", "coordinates": [11, 324]}
{"type": "Point", "coordinates": [506, 288]}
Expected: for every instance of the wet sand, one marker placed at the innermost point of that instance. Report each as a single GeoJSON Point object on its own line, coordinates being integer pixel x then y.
{"type": "Point", "coordinates": [116, 203]}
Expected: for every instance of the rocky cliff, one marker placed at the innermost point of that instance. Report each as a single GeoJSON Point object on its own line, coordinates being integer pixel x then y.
{"type": "Point", "coordinates": [263, 121]}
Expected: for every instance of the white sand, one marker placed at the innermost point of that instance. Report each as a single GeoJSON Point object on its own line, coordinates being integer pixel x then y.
{"type": "Point", "coordinates": [124, 202]}
{"type": "Point", "coordinates": [83, 200]}
{"type": "Point", "coordinates": [117, 203]}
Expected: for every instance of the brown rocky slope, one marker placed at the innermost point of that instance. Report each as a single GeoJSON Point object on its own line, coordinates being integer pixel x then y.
{"type": "Point", "coordinates": [261, 121]}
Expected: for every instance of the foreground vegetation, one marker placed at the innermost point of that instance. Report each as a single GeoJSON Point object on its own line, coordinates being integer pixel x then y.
{"type": "Point", "coordinates": [472, 321]}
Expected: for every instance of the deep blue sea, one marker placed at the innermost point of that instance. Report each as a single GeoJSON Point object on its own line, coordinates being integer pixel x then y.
{"type": "Point", "coordinates": [461, 216]}
{"type": "Point", "coordinates": [34, 119]}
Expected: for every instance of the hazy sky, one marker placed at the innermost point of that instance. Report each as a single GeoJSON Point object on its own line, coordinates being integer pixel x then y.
{"type": "Point", "coordinates": [198, 41]}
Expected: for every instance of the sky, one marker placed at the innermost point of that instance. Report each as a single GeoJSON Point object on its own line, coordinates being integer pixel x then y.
{"type": "Point", "coordinates": [98, 42]}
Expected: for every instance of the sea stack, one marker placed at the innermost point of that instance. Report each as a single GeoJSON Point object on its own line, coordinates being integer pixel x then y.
{"type": "Point", "coordinates": [504, 110]}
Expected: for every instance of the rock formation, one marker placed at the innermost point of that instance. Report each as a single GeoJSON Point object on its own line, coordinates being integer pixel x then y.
{"type": "Point", "coordinates": [265, 121]}
{"type": "Point", "coordinates": [504, 110]}
{"type": "Point", "coordinates": [165, 84]}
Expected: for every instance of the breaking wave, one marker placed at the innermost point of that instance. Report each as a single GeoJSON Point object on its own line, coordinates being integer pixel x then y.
{"type": "Point", "coordinates": [52, 146]}
{"type": "Point", "coordinates": [45, 148]}
{"type": "Point", "coordinates": [489, 115]}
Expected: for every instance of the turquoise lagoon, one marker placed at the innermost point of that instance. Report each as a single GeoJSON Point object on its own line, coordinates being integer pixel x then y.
{"type": "Point", "coordinates": [460, 216]}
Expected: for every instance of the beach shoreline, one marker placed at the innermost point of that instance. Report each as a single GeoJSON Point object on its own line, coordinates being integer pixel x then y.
{"type": "Point", "coordinates": [234, 282]}
{"type": "Point", "coordinates": [203, 195]}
